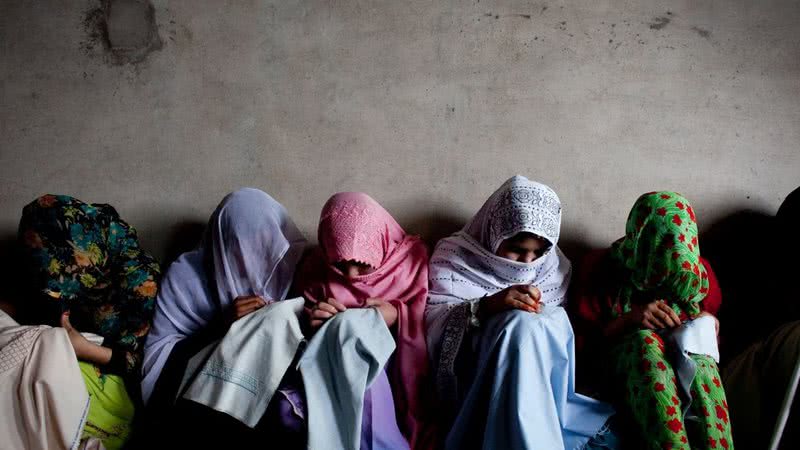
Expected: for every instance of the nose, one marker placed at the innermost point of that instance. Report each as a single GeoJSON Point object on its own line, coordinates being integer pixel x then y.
{"type": "Point", "coordinates": [352, 271]}
{"type": "Point", "coordinates": [529, 257]}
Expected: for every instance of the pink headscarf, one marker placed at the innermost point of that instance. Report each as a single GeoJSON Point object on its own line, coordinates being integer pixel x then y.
{"type": "Point", "coordinates": [353, 226]}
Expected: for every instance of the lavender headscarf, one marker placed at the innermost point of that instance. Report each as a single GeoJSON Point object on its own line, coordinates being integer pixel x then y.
{"type": "Point", "coordinates": [251, 247]}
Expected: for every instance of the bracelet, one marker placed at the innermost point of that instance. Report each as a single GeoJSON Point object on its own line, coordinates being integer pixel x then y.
{"type": "Point", "coordinates": [474, 304]}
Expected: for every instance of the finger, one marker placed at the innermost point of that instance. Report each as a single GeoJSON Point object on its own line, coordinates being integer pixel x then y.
{"type": "Point", "coordinates": [320, 314]}
{"type": "Point", "coordinates": [665, 318]}
{"type": "Point", "coordinates": [65, 323]}
{"type": "Point", "coordinates": [374, 302]}
{"type": "Point", "coordinates": [532, 291]}
{"type": "Point", "coordinates": [516, 304]}
{"type": "Point", "coordinates": [647, 324]}
{"type": "Point", "coordinates": [670, 314]}
{"type": "Point", "coordinates": [249, 302]}
{"type": "Point", "coordinates": [258, 301]}
{"type": "Point", "coordinates": [524, 298]}
{"type": "Point", "coordinates": [675, 317]}
{"type": "Point", "coordinates": [316, 323]}
{"type": "Point", "coordinates": [656, 322]}
{"type": "Point", "coordinates": [245, 305]}
{"type": "Point", "coordinates": [336, 304]}
{"type": "Point", "coordinates": [241, 312]}
{"type": "Point", "coordinates": [326, 307]}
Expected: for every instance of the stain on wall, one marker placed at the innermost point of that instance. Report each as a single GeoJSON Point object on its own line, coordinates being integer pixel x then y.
{"type": "Point", "coordinates": [125, 31]}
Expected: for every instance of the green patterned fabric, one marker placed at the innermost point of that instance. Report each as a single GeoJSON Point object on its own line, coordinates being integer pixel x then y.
{"type": "Point", "coordinates": [649, 388]}
{"type": "Point", "coordinates": [661, 253]}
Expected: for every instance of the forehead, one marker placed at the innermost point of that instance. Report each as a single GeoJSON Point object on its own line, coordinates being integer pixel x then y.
{"type": "Point", "coordinates": [527, 239]}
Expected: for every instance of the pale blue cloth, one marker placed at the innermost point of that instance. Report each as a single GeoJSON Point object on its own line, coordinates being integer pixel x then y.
{"type": "Point", "coordinates": [522, 394]}
{"type": "Point", "coordinates": [341, 362]}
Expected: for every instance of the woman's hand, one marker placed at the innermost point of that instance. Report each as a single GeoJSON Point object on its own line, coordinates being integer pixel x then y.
{"type": "Point", "coordinates": [524, 297]}
{"type": "Point", "coordinates": [716, 321]}
{"type": "Point", "coordinates": [247, 304]}
{"type": "Point", "coordinates": [85, 350]}
{"type": "Point", "coordinates": [387, 310]}
{"type": "Point", "coordinates": [654, 315]}
{"type": "Point", "coordinates": [323, 311]}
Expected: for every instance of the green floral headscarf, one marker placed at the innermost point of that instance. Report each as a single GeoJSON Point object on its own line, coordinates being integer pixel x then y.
{"type": "Point", "coordinates": [661, 254]}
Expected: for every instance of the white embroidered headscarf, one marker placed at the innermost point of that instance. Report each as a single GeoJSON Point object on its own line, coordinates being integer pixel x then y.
{"type": "Point", "coordinates": [464, 266]}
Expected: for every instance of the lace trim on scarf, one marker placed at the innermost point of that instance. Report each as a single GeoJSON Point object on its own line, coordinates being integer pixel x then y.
{"type": "Point", "coordinates": [455, 329]}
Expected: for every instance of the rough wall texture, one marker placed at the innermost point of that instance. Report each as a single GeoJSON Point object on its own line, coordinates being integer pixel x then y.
{"type": "Point", "coordinates": [428, 106]}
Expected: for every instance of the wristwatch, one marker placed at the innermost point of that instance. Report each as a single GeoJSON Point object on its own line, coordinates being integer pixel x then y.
{"type": "Point", "coordinates": [474, 304]}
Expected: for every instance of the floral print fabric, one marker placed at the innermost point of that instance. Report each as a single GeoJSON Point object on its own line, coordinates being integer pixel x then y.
{"type": "Point", "coordinates": [86, 260]}
{"type": "Point", "coordinates": [649, 388]}
{"type": "Point", "coordinates": [661, 254]}
{"type": "Point", "coordinates": [660, 259]}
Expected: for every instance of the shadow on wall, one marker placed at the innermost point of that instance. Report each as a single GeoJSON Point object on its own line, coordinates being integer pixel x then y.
{"type": "Point", "coordinates": [182, 237]}
{"type": "Point", "coordinates": [574, 246]}
{"type": "Point", "coordinates": [11, 275]}
{"type": "Point", "coordinates": [744, 254]}
{"type": "Point", "coordinates": [432, 226]}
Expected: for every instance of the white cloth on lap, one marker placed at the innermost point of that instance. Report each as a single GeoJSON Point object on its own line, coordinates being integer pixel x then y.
{"type": "Point", "coordinates": [243, 370]}
{"type": "Point", "coordinates": [698, 336]}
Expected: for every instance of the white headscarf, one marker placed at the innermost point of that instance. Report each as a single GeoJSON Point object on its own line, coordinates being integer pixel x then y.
{"type": "Point", "coordinates": [464, 266]}
{"type": "Point", "coordinates": [251, 247]}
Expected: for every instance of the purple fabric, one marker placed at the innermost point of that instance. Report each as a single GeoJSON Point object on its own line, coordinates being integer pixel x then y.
{"type": "Point", "coordinates": [253, 247]}
{"type": "Point", "coordinates": [379, 430]}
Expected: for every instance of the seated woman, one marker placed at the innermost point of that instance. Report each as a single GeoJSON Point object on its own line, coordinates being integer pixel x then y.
{"type": "Point", "coordinates": [634, 302]}
{"type": "Point", "coordinates": [247, 258]}
{"type": "Point", "coordinates": [366, 260]}
{"type": "Point", "coordinates": [501, 343]}
{"type": "Point", "coordinates": [42, 394]}
{"type": "Point", "coordinates": [90, 275]}
{"type": "Point", "coordinates": [758, 378]}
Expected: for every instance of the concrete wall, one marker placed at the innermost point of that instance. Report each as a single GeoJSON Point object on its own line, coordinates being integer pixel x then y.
{"type": "Point", "coordinates": [426, 105]}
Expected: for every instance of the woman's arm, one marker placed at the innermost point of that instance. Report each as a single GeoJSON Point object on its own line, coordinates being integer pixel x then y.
{"type": "Point", "coordinates": [387, 310]}
{"type": "Point", "coordinates": [85, 350]}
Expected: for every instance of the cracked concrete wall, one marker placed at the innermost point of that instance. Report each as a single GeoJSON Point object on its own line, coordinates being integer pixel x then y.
{"type": "Point", "coordinates": [428, 106]}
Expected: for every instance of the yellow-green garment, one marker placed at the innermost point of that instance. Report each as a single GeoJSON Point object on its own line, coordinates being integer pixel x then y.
{"type": "Point", "coordinates": [110, 408]}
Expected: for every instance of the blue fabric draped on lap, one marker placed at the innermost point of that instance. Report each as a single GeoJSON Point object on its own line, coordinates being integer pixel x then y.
{"type": "Point", "coordinates": [523, 393]}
